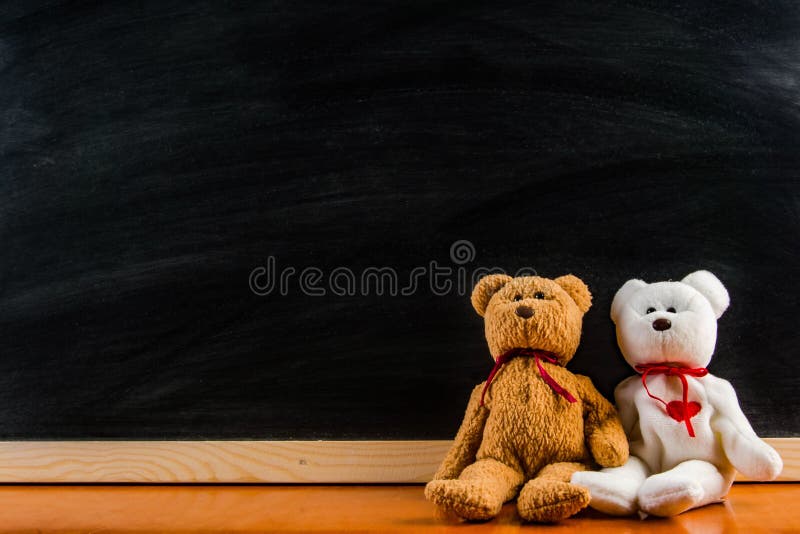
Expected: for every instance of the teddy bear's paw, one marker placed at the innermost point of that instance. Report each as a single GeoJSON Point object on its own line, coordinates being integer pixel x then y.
{"type": "Point", "coordinates": [764, 463]}
{"type": "Point", "coordinates": [547, 501]}
{"type": "Point", "coordinates": [608, 444]}
{"type": "Point", "coordinates": [610, 494]}
{"type": "Point", "coordinates": [467, 499]}
{"type": "Point", "coordinates": [665, 497]}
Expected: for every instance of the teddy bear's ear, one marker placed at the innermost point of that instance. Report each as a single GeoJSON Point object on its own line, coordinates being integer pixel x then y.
{"type": "Point", "coordinates": [485, 289]}
{"type": "Point", "coordinates": [576, 289]}
{"type": "Point", "coordinates": [711, 288]}
{"type": "Point", "coordinates": [623, 294]}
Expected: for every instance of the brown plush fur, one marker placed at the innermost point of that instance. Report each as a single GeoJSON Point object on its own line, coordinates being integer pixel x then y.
{"type": "Point", "coordinates": [526, 436]}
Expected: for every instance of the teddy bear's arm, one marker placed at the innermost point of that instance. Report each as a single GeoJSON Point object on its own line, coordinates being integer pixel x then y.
{"type": "Point", "coordinates": [625, 396]}
{"type": "Point", "coordinates": [745, 450]}
{"type": "Point", "coordinates": [468, 439]}
{"type": "Point", "coordinates": [604, 433]}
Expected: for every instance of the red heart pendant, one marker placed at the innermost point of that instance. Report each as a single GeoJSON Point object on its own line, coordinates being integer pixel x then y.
{"type": "Point", "coordinates": [675, 410]}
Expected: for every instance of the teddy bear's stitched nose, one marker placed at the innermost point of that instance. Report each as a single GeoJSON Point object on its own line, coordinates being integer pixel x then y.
{"type": "Point", "coordinates": [661, 324]}
{"type": "Point", "coordinates": [524, 311]}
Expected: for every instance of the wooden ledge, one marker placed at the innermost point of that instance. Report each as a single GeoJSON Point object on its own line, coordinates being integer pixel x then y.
{"type": "Point", "coordinates": [247, 461]}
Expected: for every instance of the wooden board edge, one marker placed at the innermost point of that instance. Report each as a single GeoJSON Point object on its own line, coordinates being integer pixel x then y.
{"type": "Point", "coordinates": [248, 461]}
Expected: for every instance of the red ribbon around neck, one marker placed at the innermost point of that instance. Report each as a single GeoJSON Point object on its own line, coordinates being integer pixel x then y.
{"type": "Point", "coordinates": [538, 355]}
{"type": "Point", "coordinates": [680, 372]}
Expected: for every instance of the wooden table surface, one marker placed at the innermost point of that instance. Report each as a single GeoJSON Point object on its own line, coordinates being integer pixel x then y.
{"type": "Point", "coordinates": [750, 508]}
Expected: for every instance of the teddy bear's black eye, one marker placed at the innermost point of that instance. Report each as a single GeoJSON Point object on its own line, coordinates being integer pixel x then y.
{"type": "Point", "coordinates": [517, 298]}
{"type": "Point", "coordinates": [671, 310]}
{"type": "Point", "coordinates": [650, 310]}
{"type": "Point", "coordinates": [538, 295]}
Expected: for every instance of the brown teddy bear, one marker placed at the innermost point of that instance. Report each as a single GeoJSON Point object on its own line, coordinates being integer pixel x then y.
{"type": "Point", "coordinates": [533, 423]}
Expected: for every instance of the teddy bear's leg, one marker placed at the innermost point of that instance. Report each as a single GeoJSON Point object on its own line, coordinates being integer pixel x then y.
{"type": "Point", "coordinates": [688, 485]}
{"type": "Point", "coordinates": [480, 490]}
{"type": "Point", "coordinates": [614, 489]}
{"type": "Point", "coordinates": [550, 496]}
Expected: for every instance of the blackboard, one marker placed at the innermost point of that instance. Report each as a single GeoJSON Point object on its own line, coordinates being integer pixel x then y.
{"type": "Point", "coordinates": [159, 161]}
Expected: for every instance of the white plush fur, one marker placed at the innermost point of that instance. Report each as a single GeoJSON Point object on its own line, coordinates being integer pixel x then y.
{"type": "Point", "coordinates": [669, 471]}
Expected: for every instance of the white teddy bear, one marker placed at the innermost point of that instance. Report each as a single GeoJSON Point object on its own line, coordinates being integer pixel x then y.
{"type": "Point", "coordinates": [667, 332]}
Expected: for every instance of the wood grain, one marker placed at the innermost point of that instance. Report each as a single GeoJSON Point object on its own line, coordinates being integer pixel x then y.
{"type": "Point", "coordinates": [749, 508]}
{"type": "Point", "coordinates": [247, 461]}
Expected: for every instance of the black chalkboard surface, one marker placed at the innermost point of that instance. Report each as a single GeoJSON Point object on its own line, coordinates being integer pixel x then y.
{"type": "Point", "coordinates": [262, 220]}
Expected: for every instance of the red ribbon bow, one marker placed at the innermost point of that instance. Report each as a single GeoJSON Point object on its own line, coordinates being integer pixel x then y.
{"type": "Point", "coordinates": [537, 355]}
{"type": "Point", "coordinates": [680, 372]}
